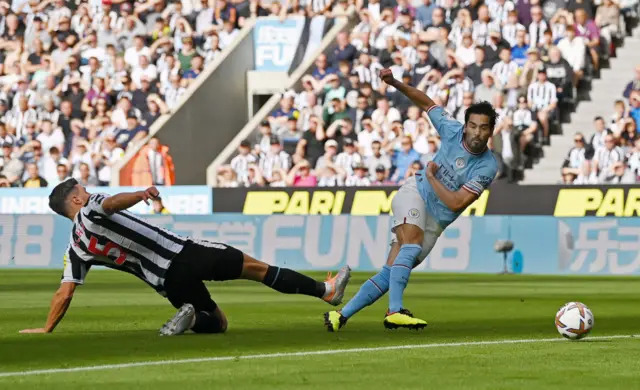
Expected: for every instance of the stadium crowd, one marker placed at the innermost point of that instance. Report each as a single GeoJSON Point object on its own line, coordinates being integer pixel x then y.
{"type": "Point", "coordinates": [345, 127]}
{"type": "Point", "coordinates": [611, 154]}
{"type": "Point", "coordinates": [82, 81]}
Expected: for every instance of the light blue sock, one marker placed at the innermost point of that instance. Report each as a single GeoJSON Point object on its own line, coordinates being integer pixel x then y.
{"type": "Point", "coordinates": [400, 272]}
{"type": "Point", "coordinates": [370, 292]}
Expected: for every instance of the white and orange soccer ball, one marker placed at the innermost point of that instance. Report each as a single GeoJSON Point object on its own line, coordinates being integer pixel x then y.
{"type": "Point", "coordinates": [574, 320]}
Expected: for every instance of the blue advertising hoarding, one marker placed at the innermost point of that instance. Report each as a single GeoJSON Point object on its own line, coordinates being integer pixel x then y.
{"type": "Point", "coordinates": [276, 42]}
{"type": "Point", "coordinates": [543, 245]}
{"type": "Point", "coordinates": [177, 199]}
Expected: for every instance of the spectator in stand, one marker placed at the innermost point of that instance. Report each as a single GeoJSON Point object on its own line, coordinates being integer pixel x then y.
{"type": "Point", "coordinates": [634, 106]}
{"type": "Point", "coordinates": [301, 175]}
{"type": "Point", "coordinates": [524, 124]}
{"type": "Point", "coordinates": [560, 74]}
{"type": "Point", "coordinates": [425, 11]}
{"type": "Point", "coordinates": [629, 135]}
{"type": "Point", "coordinates": [368, 136]}
{"type": "Point", "coordinates": [572, 49]}
{"type": "Point", "coordinates": [542, 100]}
{"type": "Point", "coordinates": [34, 179]}
{"type": "Point", "coordinates": [608, 163]}
{"type": "Point", "coordinates": [349, 157]}
{"type": "Point", "coordinates": [12, 167]}
{"type": "Point", "coordinates": [597, 139]}
{"type": "Point", "coordinates": [240, 163]}
{"type": "Point", "coordinates": [273, 159]}
{"type": "Point", "coordinates": [344, 50]}
{"type": "Point", "coordinates": [157, 207]}
{"type": "Point", "coordinates": [488, 89]}
{"type": "Point", "coordinates": [633, 85]}
{"type": "Point", "coordinates": [311, 145]}
{"type": "Point", "coordinates": [359, 177]}
{"type": "Point", "coordinates": [632, 175]}
{"type": "Point", "coordinates": [474, 71]}
{"type": "Point", "coordinates": [575, 168]}
{"type": "Point", "coordinates": [403, 159]}
{"type": "Point", "coordinates": [587, 28]}
{"type": "Point", "coordinates": [380, 177]}
{"type": "Point", "coordinates": [322, 68]}
{"type": "Point", "coordinates": [507, 143]}
{"type": "Point", "coordinates": [378, 159]}
{"type": "Point", "coordinates": [86, 179]}
{"type": "Point", "coordinates": [620, 113]}
{"type": "Point", "coordinates": [520, 49]}
{"type": "Point", "coordinates": [608, 21]}
{"type": "Point", "coordinates": [537, 27]}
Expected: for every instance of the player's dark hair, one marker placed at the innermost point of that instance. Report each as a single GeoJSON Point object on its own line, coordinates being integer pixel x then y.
{"type": "Point", "coordinates": [59, 195]}
{"type": "Point", "coordinates": [482, 108]}
{"type": "Point", "coordinates": [598, 118]}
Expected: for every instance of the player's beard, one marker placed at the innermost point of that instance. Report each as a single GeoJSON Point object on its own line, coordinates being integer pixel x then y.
{"type": "Point", "coordinates": [475, 144]}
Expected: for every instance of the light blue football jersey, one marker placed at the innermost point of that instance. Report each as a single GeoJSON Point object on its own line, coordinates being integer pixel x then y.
{"type": "Point", "coordinates": [459, 167]}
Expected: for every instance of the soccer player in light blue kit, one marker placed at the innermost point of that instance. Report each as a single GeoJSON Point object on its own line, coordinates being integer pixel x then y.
{"type": "Point", "coordinates": [427, 203]}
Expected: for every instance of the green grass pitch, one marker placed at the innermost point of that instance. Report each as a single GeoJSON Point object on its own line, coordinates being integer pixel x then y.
{"type": "Point", "coordinates": [114, 319]}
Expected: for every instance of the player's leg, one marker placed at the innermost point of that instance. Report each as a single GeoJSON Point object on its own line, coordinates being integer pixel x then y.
{"type": "Point", "coordinates": [220, 262]}
{"type": "Point", "coordinates": [288, 281]}
{"type": "Point", "coordinates": [196, 310]}
{"type": "Point", "coordinates": [372, 290]}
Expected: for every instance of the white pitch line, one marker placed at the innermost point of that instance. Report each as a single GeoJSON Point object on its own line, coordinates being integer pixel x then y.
{"type": "Point", "coordinates": [293, 354]}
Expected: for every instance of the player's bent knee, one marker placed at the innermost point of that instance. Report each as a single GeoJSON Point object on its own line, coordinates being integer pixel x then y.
{"type": "Point", "coordinates": [253, 269]}
{"type": "Point", "coordinates": [409, 234]}
{"type": "Point", "coordinates": [208, 322]}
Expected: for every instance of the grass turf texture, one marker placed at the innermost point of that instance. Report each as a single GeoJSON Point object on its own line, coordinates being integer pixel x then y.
{"type": "Point", "coordinates": [114, 319]}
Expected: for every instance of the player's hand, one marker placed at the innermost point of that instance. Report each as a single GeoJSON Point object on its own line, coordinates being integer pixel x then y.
{"type": "Point", "coordinates": [386, 75]}
{"type": "Point", "coordinates": [432, 168]}
{"type": "Point", "coordinates": [38, 330]}
{"type": "Point", "coordinates": [150, 193]}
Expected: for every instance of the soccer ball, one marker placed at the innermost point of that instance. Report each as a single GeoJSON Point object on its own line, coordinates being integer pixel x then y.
{"type": "Point", "coordinates": [574, 320]}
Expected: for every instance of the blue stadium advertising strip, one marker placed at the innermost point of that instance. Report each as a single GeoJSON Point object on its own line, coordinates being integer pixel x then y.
{"type": "Point", "coordinates": [542, 245]}
{"type": "Point", "coordinates": [177, 199]}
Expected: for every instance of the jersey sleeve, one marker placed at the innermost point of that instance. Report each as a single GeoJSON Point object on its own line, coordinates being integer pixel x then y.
{"type": "Point", "coordinates": [445, 125]}
{"type": "Point", "coordinates": [481, 178]}
{"type": "Point", "coordinates": [74, 269]}
{"type": "Point", "coordinates": [95, 203]}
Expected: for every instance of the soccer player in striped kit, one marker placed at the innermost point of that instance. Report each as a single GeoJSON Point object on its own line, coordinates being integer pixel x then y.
{"type": "Point", "coordinates": [106, 234]}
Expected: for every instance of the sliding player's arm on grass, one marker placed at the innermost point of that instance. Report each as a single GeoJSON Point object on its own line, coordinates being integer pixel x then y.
{"type": "Point", "coordinates": [124, 200]}
{"type": "Point", "coordinates": [457, 200]}
{"type": "Point", "coordinates": [73, 274]}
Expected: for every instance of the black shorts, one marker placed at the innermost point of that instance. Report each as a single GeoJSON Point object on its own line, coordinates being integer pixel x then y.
{"type": "Point", "coordinates": [199, 261]}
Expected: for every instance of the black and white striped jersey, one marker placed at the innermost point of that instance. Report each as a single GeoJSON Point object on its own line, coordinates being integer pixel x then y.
{"type": "Point", "coordinates": [121, 241]}
{"type": "Point", "coordinates": [369, 74]}
{"type": "Point", "coordinates": [536, 33]}
{"type": "Point", "coordinates": [504, 71]}
{"type": "Point", "coordinates": [541, 95]}
{"type": "Point", "coordinates": [575, 158]}
{"type": "Point", "coordinates": [607, 158]}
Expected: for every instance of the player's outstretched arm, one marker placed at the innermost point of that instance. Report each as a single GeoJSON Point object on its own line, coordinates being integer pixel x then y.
{"type": "Point", "coordinates": [418, 97]}
{"type": "Point", "coordinates": [59, 305]}
{"type": "Point", "coordinates": [455, 201]}
{"type": "Point", "coordinates": [124, 200]}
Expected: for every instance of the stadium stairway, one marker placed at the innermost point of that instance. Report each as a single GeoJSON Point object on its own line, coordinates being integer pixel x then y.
{"type": "Point", "coordinates": [604, 91]}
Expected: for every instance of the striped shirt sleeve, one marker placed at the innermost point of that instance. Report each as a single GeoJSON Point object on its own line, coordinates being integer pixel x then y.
{"type": "Point", "coordinates": [95, 203]}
